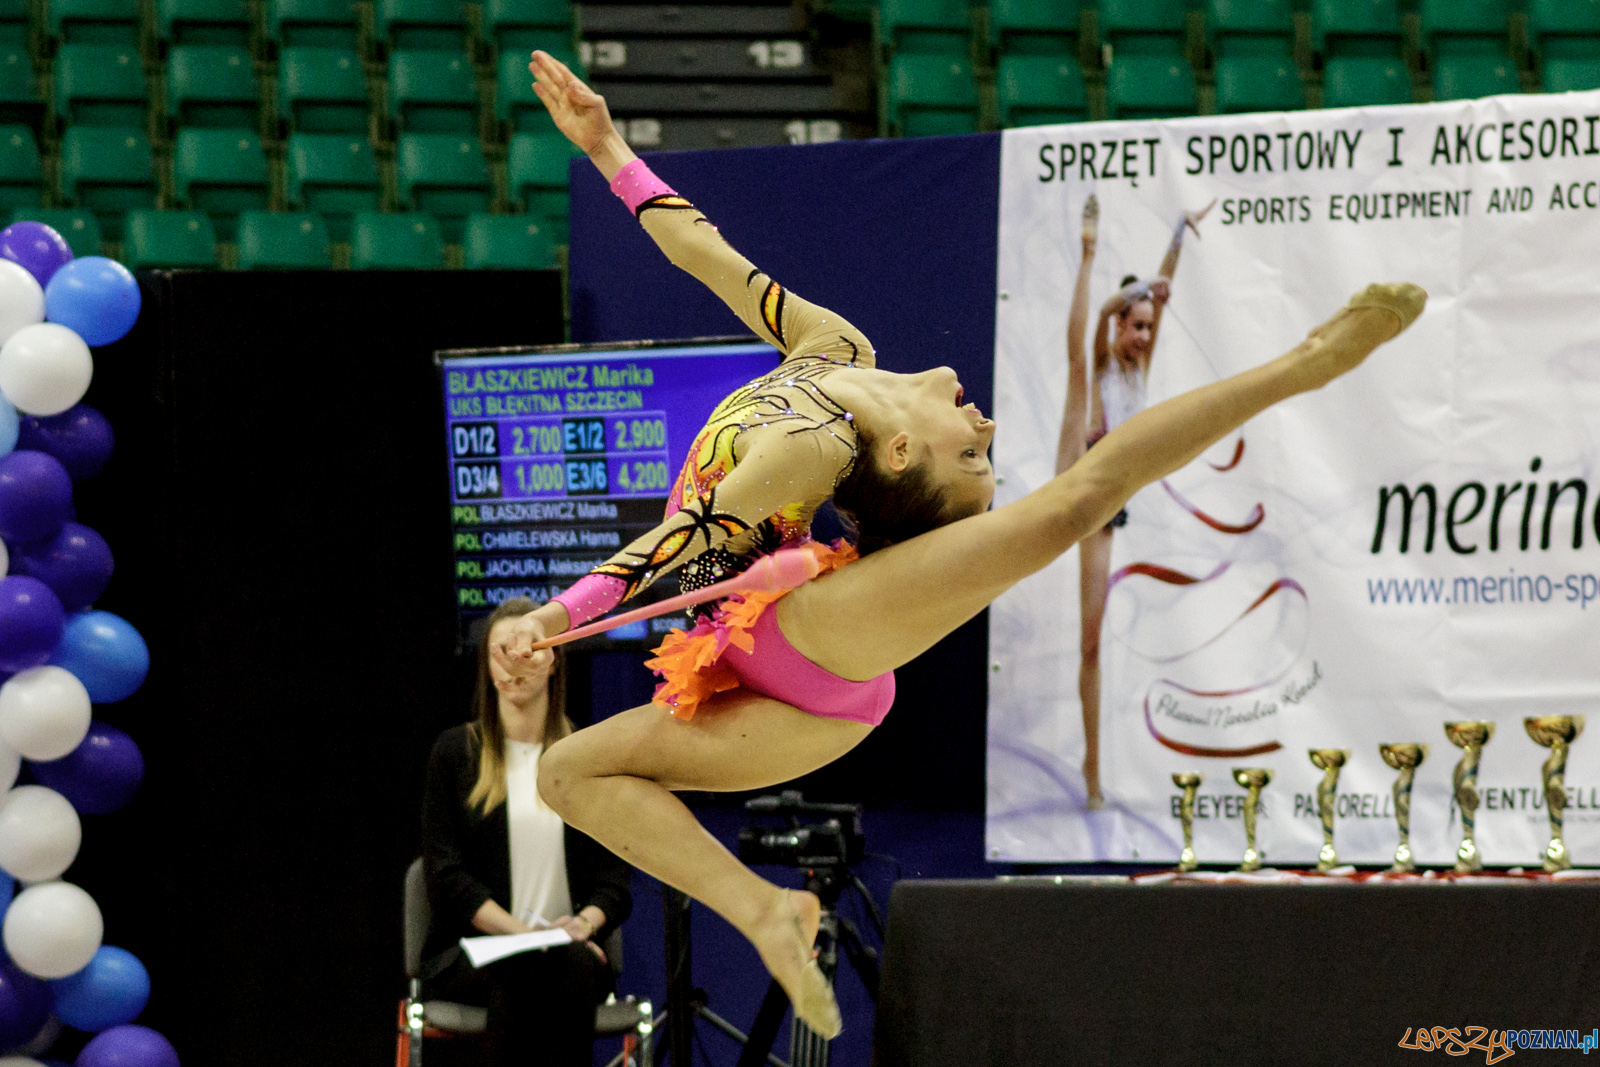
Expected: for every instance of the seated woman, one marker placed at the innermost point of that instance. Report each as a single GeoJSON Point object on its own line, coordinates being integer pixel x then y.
{"type": "Point", "coordinates": [500, 861]}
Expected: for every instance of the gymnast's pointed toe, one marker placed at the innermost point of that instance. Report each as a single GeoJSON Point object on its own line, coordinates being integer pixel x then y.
{"type": "Point", "coordinates": [816, 1006]}
{"type": "Point", "coordinates": [1404, 299]}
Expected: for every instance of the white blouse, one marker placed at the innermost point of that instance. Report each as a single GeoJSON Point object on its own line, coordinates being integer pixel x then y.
{"type": "Point", "coordinates": [538, 841]}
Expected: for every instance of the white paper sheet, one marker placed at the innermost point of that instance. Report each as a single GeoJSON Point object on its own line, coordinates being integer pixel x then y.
{"type": "Point", "coordinates": [486, 950]}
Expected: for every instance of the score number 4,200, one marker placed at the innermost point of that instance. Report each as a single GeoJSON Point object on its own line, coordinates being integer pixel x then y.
{"type": "Point", "coordinates": [573, 477]}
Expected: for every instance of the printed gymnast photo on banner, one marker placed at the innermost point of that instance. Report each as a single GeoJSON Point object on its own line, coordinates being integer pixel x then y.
{"type": "Point", "coordinates": [1415, 545]}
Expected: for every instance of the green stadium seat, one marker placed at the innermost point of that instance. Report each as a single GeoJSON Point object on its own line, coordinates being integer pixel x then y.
{"type": "Point", "coordinates": [1149, 86]}
{"type": "Point", "coordinates": [19, 90]}
{"type": "Point", "coordinates": [1038, 89]}
{"type": "Point", "coordinates": [322, 90]}
{"type": "Point", "coordinates": [1034, 27]}
{"type": "Point", "coordinates": [1143, 27]}
{"type": "Point", "coordinates": [435, 24]}
{"type": "Point", "coordinates": [220, 172]}
{"type": "Point", "coordinates": [1564, 29]}
{"type": "Point", "coordinates": [517, 25]}
{"type": "Point", "coordinates": [396, 242]}
{"type": "Point", "coordinates": [108, 170]}
{"type": "Point", "coordinates": [1250, 28]}
{"type": "Point", "coordinates": [1258, 83]}
{"type": "Point", "coordinates": [508, 242]}
{"type": "Point", "coordinates": [205, 21]}
{"type": "Point", "coordinates": [1359, 81]}
{"type": "Point", "coordinates": [932, 94]}
{"type": "Point", "coordinates": [100, 85]}
{"type": "Point", "coordinates": [1465, 27]}
{"type": "Point", "coordinates": [169, 239]}
{"type": "Point", "coordinates": [1467, 77]}
{"type": "Point", "coordinates": [432, 92]}
{"type": "Point", "coordinates": [1569, 75]}
{"type": "Point", "coordinates": [95, 21]}
{"type": "Point", "coordinates": [79, 227]}
{"type": "Point", "coordinates": [334, 175]}
{"type": "Point", "coordinates": [930, 27]}
{"type": "Point", "coordinates": [21, 176]}
{"type": "Point", "coordinates": [327, 23]}
{"type": "Point", "coordinates": [1356, 28]}
{"type": "Point", "coordinates": [14, 21]}
{"type": "Point", "coordinates": [445, 175]}
{"type": "Point", "coordinates": [283, 240]}
{"type": "Point", "coordinates": [515, 103]}
{"type": "Point", "coordinates": [537, 164]}
{"type": "Point", "coordinates": [212, 85]}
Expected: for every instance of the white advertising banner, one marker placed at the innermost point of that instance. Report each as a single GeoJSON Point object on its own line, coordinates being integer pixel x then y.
{"type": "Point", "coordinates": [1417, 543]}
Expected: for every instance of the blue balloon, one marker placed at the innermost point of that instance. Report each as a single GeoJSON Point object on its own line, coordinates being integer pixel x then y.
{"type": "Point", "coordinates": [94, 296]}
{"type": "Point", "coordinates": [111, 991]}
{"type": "Point", "coordinates": [105, 652]}
{"type": "Point", "coordinates": [76, 563]}
{"type": "Point", "coordinates": [31, 622]}
{"type": "Point", "coordinates": [80, 437]}
{"type": "Point", "coordinates": [128, 1046]}
{"type": "Point", "coordinates": [24, 1005]}
{"type": "Point", "coordinates": [10, 426]}
{"type": "Point", "coordinates": [8, 889]}
{"type": "Point", "coordinates": [100, 775]}
{"type": "Point", "coordinates": [35, 496]}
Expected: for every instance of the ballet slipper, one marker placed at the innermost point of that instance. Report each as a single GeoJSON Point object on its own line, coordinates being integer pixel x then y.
{"type": "Point", "coordinates": [1402, 299]}
{"type": "Point", "coordinates": [1329, 352]}
{"type": "Point", "coordinates": [811, 996]}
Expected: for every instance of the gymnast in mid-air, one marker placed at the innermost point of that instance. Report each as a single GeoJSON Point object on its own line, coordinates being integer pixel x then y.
{"type": "Point", "coordinates": [767, 687]}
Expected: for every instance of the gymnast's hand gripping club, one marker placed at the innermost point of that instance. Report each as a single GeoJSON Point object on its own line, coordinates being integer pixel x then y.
{"type": "Point", "coordinates": [786, 569]}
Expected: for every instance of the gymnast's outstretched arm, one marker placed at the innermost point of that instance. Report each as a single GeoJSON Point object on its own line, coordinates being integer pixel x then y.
{"type": "Point", "coordinates": [1075, 413]}
{"type": "Point", "coordinates": [796, 326]}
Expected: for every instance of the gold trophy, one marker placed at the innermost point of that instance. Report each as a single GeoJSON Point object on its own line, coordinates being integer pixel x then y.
{"type": "Point", "coordinates": [1251, 779]}
{"type": "Point", "coordinates": [1405, 757]}
{"type": "Point", "coordinates": [1471, 737]}
{"type": "Point", "coordinates": [1328, 760]}
{"type": "Point", "coordinates": [1189, 782]}
{"type": "Point", "coordinates": [1555, 732]}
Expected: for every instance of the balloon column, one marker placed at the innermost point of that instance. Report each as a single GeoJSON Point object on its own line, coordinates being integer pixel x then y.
{"type": "Point", "coordinates": [58, 658]}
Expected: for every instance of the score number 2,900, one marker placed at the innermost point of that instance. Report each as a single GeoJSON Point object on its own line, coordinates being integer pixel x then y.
{"type": "Point", "coordinates": [574, 477]}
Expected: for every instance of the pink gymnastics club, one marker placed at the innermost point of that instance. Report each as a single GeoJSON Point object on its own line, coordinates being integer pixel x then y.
{"type": "Point", "coordinates": [785, 569]}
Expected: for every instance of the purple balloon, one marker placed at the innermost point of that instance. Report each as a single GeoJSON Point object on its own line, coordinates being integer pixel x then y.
{"type": "Point", "coordinates": [35, 496]}
{"type": "Point", "coordinates": [80, 437]}
{"type": "Point", "coordinates": [36, 247]}
{"type": "Point", "coordinates": [76, 563]}
{"type": "Point", "coordinates": [128, 1046]}
{"type": "Point", "coordinates": [100, 775]}
{"type": "Point", "coordinates": [24, 1005]}
{"type": "Point", "coordinates": [31, 622]}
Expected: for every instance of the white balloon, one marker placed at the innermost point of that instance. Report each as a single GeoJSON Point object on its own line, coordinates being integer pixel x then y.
{"type": "Point", "coordinates": [53, 929]}
{"type": "Point", "coordinates": [21, 299]}
{"type": "Point", "coordinates": [5, 557]}
{"type": "Point", "coordinates": [45, 369]}
{"type": "Point", "coordinates": [19, 1061]}
{"type": "Point", "coordinates": [44, 712]}
{"type": "Point", "coordinates": [10, 766]}
{"type": "Point", "coordinates": [42, 1041]}
{"type": "Point", "coordinates": [39, 833]}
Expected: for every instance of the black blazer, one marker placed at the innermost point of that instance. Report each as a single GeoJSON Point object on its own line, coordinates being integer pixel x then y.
{"type": "Point", "coordinates": [467, 855]}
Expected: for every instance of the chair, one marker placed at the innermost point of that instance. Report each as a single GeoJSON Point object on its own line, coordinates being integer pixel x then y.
{"type": "Point", "coordinates": [1468, 47]}
{"type": "Point", "coordinates": [19, 90]}
{"type": "Point", "coordinates": [108, 170]}
{"type": "Point", "coordinates": [294, 241]}
{"type": "Point", "coordinates": [1258, 83]}
{"type": "Point", "coordinates": [205, 22]}
{"type": "Point", "coordinates": [537, 164]}
{"type": "Point", "coordinates": [1149, 86]}
{"type": "Point", "coordinates": [80, 228]}
{"type": "Point", "coordinates": [932, 94]}
{"type": "Point", "coordinates": [1040, 89]}
{"type": "Point", "coordinates": [1144, 27]}
{"type": "Point", "coordinates": [334, 175]}
{"type": "Point", "coordinates": [221, 172]}
{"type": "Point", "coordinates": [395, 242]}
{"type": "Point", "coordinates": [1250, 27]}
{"type": "Point", "coordinates": [507, 242]}
{"type": "Point", "coordinates": [422, 24]}
{"type": "Point", "coordinates": [212, 85]}
{"type": "Point", "coordinates": [1034, 27]}
{"type": "Point", "coordinates": [21, 176]}
{"type": "Point", "coordinates": [630, 1019]}
{"type": "Point", "coordinates": [432, 92]}
{"type": "Point", "coordinates": [445, 175]}
{"type": "Point", "coordinates": [171, 239]}
{"type": "Point", "coordinates": [1565, 36]}
{"type": "Point", "coordinates": [14, 21]}
{"type": "Point", "coordinates": [517, 25]}
{"type": "Point", "coordinates": [100, 85]}
{"type": "Point", "coordinates": [328, 23]}
{"type": "Point", "coordinates": [323, 90]}
{"type": "Point", "coordinates": [95, 21]}
{"type": "Point", "coordinates": [1469, 77]}
{"type": "Point", "coordinates": [1359, 81]}
{"type": "Point", "coordinates": [515, 104]}
{"type": "Point", "coordinates": [925, 27]}
{"type": "Point", "coordinates": [1569, 75]}
{"type": "Point", "coordinates": [1355, 28]}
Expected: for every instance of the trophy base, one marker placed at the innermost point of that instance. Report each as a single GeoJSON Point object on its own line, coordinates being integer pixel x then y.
{"type": "Point", "coordinates": [1327, 858]}
{"type": "Point", "coordinates": [1252, 861]}
{"type": "Point", "coordinates": [1188, 861]}
{"type": "Point", "coordinates": [1404, 863]}
{"type": "Point", "coordinates": [1556, 856]}
{"type": "Point", "coordinates": [1468, 860]}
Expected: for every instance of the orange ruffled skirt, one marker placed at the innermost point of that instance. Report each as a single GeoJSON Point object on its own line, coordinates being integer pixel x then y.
{"type": "Point", "coordinates": [692, 663]}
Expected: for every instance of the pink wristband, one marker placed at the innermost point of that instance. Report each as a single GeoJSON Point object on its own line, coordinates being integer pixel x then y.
{"type": "Point", "coordinates": [635, 184]}
{"type": "Point", "coordinates": [590, 597]}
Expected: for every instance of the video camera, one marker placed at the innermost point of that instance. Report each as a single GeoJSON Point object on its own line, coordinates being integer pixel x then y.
{"type": "Point", "coordinates": [818, 835]}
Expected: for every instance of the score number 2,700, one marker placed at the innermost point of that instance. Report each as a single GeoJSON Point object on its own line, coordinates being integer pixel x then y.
{"type": "Point", "coordinates": [574, 477]}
